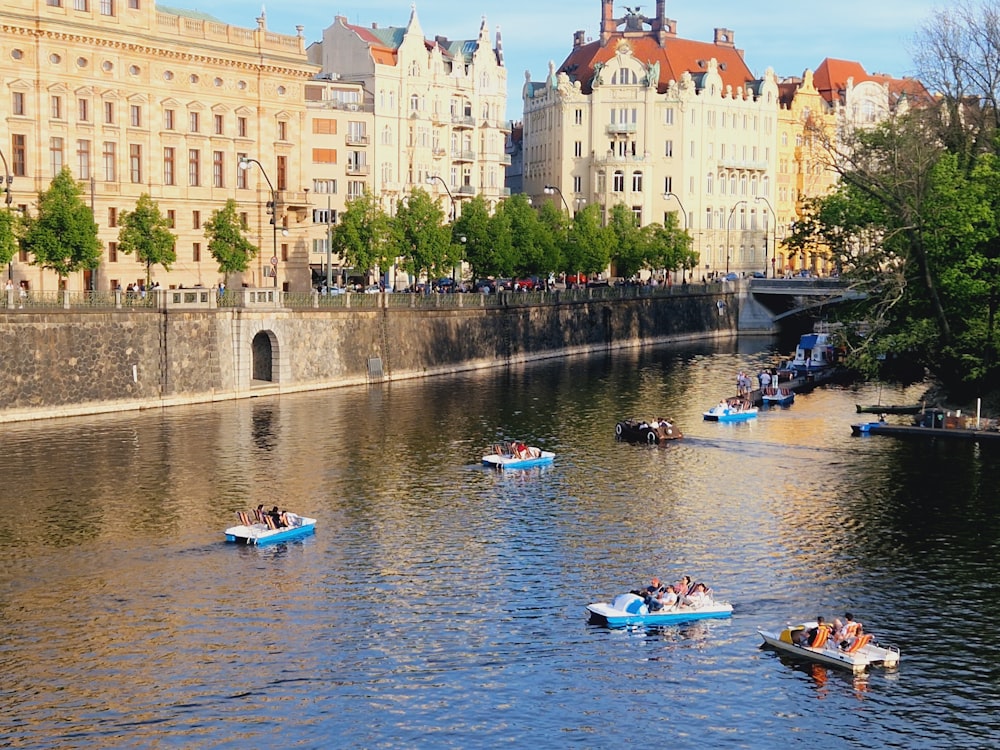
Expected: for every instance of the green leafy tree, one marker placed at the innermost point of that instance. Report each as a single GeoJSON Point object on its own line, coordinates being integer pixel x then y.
{"type": "Point", "coordinates": [474, 225]}
{"type": "Point", "coordinates": [226, 242]}
{"type": "Point", "coordinates": [532, 249]}
{"type": "Point", "coordinates": [588, 248]}
{"type": "Point", "coordinates": [62, 236]}
{"type": "Point", "coordinates": [146, 233]}
{"type": "Point", "coordinates": [555, 236]}
{"type": "Point", "coordinates": [9, 226]}
{"type": "Point", "coordinates": [361, 236]}
{"type": "Point", "coordinates": [631, 246]}
{"type": "Point", "coordinates": [419, 237]}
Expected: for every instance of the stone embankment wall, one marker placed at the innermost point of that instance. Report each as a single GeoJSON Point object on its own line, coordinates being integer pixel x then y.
{"type": "Point", "coordinates": [63, 363]}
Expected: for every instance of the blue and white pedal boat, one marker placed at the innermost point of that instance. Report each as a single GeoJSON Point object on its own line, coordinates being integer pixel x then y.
{"type": "Point", "coordinates": [629, 609]}
{"type": "Point", "coordinates": [729, 413]}
{"type": "Point", "coordinates": [778, 396]}
{"type": "Point", "coordinates": [512, 455]}
{"type": "Point", "coordinates": [248, 532]}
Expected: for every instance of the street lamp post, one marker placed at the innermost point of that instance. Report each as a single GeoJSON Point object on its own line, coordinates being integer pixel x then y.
{"type": "Point", "coordinates": [245, 163]}
{"type": "Point", "coordinates": [8, 181]}
{"type": "Point", "coordinates": [552, 189]}
{"type": "Point", "coordinates": [668, 196]}
{"type": "Point", "coordinates": [729, 223]}
{"type": "Point", "coordinates": [774, 230]}
{"type": "Point", "coordinates": [451, 199]}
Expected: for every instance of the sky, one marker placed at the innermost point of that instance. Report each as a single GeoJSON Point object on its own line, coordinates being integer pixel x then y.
{"type": "Point", "coordinates": [789, 36]}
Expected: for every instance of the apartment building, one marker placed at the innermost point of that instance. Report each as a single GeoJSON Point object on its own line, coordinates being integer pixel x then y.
{"type": "Point", "coordinates": [135, 98]}
{"type": "Point", "coordinates": [647, 119]}
{"type": "Point", "coordinates": [437, 105]}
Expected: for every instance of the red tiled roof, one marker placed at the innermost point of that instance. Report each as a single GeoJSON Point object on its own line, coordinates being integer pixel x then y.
{"type": "Point", "coordinates": [675, 58]}
{"type": "Point", "coordinates": [831, 78]}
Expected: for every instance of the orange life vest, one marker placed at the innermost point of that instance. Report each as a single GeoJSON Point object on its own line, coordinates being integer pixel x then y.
{"type": "Point", "coordinates": [822, 634]}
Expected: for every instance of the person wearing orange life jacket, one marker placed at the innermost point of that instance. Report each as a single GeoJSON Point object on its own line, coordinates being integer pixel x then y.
{"type": "Point", "coordinates": [815, 637]}
{"type": "Point", "coordinates": [849, 632]}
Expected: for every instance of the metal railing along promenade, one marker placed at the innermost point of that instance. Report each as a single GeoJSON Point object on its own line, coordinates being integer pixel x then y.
{"type": "Point", "coordinates": [209, 298]}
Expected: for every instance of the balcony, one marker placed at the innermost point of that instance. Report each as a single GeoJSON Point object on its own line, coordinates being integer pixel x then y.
{"type": "Point", "coordinates": [463, 155]}
{"type": "Point", "coordinates": [466, 190]}
{"type": "Point", "coordinates": [439, 152]}
{"type": "Point", "coordinates": [756, 166]}
{"type": "Point", "coordinates": [620, 128]}
{"type": "Point", "coordinates": [357, 170]}
{"type": "Point", "coordinates": [463, 121]}
{"type": "Point", "coordinates": [293, 200]}
{"type": "Point", "coordinates": [356, 139]}
{"type": "Point", "coordinates": [505, 160]}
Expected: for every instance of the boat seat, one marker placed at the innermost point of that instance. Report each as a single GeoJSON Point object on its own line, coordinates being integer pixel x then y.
{"type": "Point", "coordinates": [244, 518]}
{"type": "Point", "coordinates": [270, 522]}
{"type": "Point", "coordinates": [822, 634]}
{"type": "Point", "coordinates": [860, 642]}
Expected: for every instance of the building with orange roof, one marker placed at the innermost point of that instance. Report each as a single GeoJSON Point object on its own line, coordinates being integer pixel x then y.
{"type": "Point", "coordinates": [647, 119]}
{"type": "Point", "coordinates": [437, 105]}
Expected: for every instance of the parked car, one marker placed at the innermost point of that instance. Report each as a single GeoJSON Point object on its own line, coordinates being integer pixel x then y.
{"type": "Point", "coordinates": [444, 284]}
{"type": "Point", "coordinates": [373, 289]}
{"type": "Point", "coordinates": [529, 283]}
{"type": "Point", "coordinates": [574, 279]}
{"type": "Point", "coordinates": [759, 275]}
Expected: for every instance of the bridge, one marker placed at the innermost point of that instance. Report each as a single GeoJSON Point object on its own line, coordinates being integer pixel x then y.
{"type": "Point", "coordinates": [764, 303]}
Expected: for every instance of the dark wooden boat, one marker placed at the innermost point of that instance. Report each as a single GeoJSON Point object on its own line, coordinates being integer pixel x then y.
{"type": "Point", "coordinates": [890, 408]}
{"type": "Point", "coordinates": [653, 432]}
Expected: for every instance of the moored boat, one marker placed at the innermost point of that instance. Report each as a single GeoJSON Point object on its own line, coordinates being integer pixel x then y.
{"type": "Point", "coordinates": [861, 654]}
{"type": "Point", "coordinates": [778, 396]}
{"type": "Point", "coordinates": [263, 528]}
{"type": "Point", "coordinates": [630, 609]}
{"type": "Point", "coordinates": [731, 410]}
{"type": "Point", "coordinates": [889, 408]}
{"type": "Point", "coordinates": [516, 455]}
{"type": "Point", "coordinates": [652, 432]}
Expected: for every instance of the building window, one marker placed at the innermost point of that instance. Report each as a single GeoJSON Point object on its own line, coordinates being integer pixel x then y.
{"type": "Point", "coordinates": [577, 149]}
{"type": "Point", "coordinates": [17, 103]}
{"type": "Point", "coordinates": [135, 163]}
{"type": "Point", "coordinates": [112, 216]}
{"type": "Point", "coordinates": [324, 156]}
{"type": "Point", "coordinates": [241, 127]}
{"type": "Point", "coordinates": [83, 159]}
{"type": "Point", "coordinates": [109, 113]}
{"type": "Point", "coordinates": [19, 155]}
{"type": "Point", "coordinates": [83, 110]}
{"type": "Point", "coordinates": [113, 257]}
{"type": "Point", "coordinates": [244, 220]}
{"type": "Point", "coordinates": [196, 252]}
{"type": "Point", "coordinates": [134, 5]}
{"type": "Point", "coordinates": [618, 182]}
{"type": "Point", "coordinates": [709, 183]}
{"type": "Point", "coordinates": [668, 184]}
{"type": "Point", "coordinates": [135, 115]}
{"type": "Point", "coordinates": [637, 182]}
{"type": "Point", "coordinates": [218, 169]}
{"type": "Point", "coordinates": [168, 166]}
{"type": "Point", "coordinates": [56, 155]}
{"type": "Point", "coordinates": [54, 3]}
{"type": "Point", "coordinates": [57, 112]}
{"type": "Point", "coordinates": [577, 184]}
{"type": "Point", "coordinates": [668, 149]}
{"type": "Point", "coordinates": [220, 125]}
{"type": "Point", "coordinates": [194, 121]}
{"type": "Point", "coordinates": [194, 167]}
{"type": "Point", "coordinates": [578, 117]}
{"type": "Point", "coordinates": [196, 219]}
{"type": "Point", "coordinates": [325, 186]}
{"type": "Point", "coordinates": [107, 7]}
{"type": "Point", "coordinates": [171, 218]}
{"type": "Point", "coordinates": [282, 130]}
{"type": "Point", "coordinates": [241, 174]}
{"type": "Point", "coordinates": [282, 176]}
{"type": "Point", "coordinates": [168, 119]}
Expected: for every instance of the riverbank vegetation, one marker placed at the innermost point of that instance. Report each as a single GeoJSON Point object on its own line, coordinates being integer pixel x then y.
{"type": "Point", "coordinates": [914, 223]}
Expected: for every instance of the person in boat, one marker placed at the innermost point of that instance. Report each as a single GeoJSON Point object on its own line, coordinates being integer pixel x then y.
{"type": "Point", "coordinates": [683, 586]}
{"type": "Point", "coordinates": [698, 597]}
{"type": "Point", "coordinates": [277, 516]}
{"type": "Point", "coordinates": [849, 631]}
{"type": "Point", "coordinates": [816, 636]}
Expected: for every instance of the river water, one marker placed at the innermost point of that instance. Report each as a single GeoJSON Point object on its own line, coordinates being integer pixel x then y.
{"type": "Point", "coordinates": [442, 605]}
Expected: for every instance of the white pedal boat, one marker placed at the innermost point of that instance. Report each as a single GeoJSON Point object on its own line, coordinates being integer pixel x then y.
{"type": "Point", "coordinates": [871, 653]}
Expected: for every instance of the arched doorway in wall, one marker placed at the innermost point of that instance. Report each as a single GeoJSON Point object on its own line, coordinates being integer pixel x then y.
{"type": "Point", "coordinates": [264, 352]}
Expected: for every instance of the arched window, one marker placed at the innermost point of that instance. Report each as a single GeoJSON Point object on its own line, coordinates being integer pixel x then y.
{"type": "Point", "coordinates": [637, 182]}
{"type": "Point", "coordinates": [618, 185]}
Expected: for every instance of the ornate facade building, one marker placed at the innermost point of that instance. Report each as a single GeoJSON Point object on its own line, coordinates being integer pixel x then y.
{"type": "Point", "coordinates": [644, 118]}
{"type": "Point", "coordinates": [438, 108]}
{"type": "Point", "coordinates": [138, 99]}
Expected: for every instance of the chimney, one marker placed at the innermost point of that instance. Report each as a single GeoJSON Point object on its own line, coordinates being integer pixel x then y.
{"type": "Point", "coordinates": [608, 25]}
{"type": "Point", "coordinates": [725, 38]}
{"type": "Point", "coordinates": [578, 38]}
